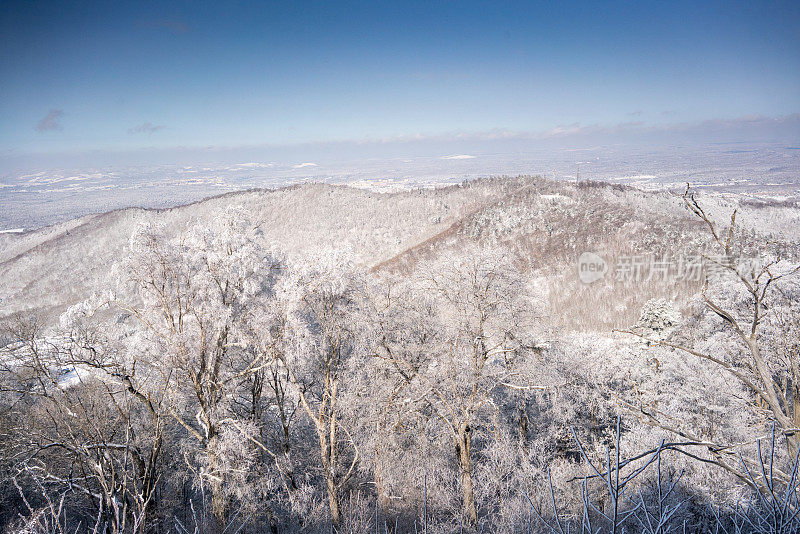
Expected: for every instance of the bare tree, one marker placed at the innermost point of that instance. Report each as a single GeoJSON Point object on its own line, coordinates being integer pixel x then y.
{"type": "Point", "coordinates": [318, 329]}
{"type": "Point", "coordinates": [90, 428]}
{"type": "Point", "coordinates": [474, 341]}
{"type": "Point", "coordinates": [773, 383]}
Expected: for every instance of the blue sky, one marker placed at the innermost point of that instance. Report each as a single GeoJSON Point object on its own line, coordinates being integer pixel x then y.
{"type": "Point", "coordinates": [118, 76]}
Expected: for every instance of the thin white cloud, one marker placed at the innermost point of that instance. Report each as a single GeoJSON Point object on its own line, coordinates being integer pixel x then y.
{"type": "Point", "coordinates": [147, 128]}
{"type": "Point", "coordinates": [301, 165]}
{"type": "Point", "coordinates": [487, 135]}
{"type": "Point", "coordinates": [567, 129]}
{"type": "Point", "coordinates": [459, 156]}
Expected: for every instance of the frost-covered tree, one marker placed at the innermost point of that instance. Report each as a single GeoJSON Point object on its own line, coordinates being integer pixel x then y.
{"type": "Point", "coordinates": [191, 294]}
{"type": "Point", "coordinates": [319, 341]}
{"type": "Point", "coordinates": [475, 341]}
{"type": "Point", "coordinates": [748, 296]}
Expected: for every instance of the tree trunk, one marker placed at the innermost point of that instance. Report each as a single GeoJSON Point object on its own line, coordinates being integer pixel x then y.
{"type": "Point", "coordinates": [465, 464]}
{"type": "Point", "coordinates": [330, 478]}
{"type": "Point", "coordinates": [218, 507]}
{"type": "Point", "coordinates": [523, 425]}
{"type": "Point", "coordinates": [380, 489]}
{"type": "Point", "coordinates": [333, 500]}
{"type": "Point", "coordinates": [378, 472]}
{"type": "Point", "coordinates": [216, 485]}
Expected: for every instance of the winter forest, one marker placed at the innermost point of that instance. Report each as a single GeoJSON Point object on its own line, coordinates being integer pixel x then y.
{"type": "Point", "coordinates": [326, 359]}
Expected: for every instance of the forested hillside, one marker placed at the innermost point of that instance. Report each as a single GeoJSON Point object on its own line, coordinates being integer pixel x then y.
{"type": "Point", "coordinates": [321, 358]}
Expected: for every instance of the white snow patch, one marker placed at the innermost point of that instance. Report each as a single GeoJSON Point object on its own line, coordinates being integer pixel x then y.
{"type": "Point", "coordinates": [459, 156]}
{"type": "Point", "coordinates": [12, 231]}
{"type": "Point", "coordinates": [301, 165]}
{"type": "Point", "coordinates": [255, 165]}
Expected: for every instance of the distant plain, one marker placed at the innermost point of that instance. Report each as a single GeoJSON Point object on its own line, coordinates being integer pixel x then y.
{"type": "Point", "coordinates": [32, 199]}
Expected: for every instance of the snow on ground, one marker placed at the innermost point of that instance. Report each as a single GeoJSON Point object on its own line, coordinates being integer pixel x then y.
{"type": "Point", "coordinates": [39, 198]}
